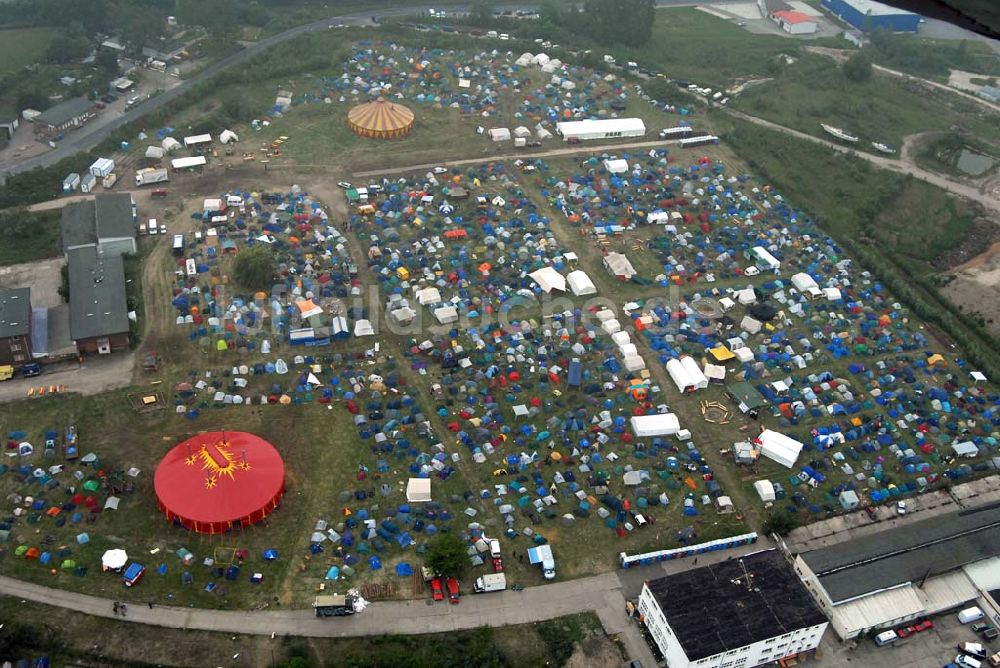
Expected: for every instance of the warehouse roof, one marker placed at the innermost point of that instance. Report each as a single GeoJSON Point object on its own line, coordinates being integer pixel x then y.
{"type": "Point", "coordinates": [870, 7]}
{"type": "Point", "coordinates": [15, 312]}
{"type": "Point", "coordinates": [97, 305]}
{"type": "Point", "coordinates": [734, 603]}
{"type": "Point", "coordinates": [78, 224]}
{"type": "Point", "coordinates": [107, 216]}
{"type": "Point", "coordinates": [64, 112]}
{"type": "Point", "coordinates": [908, 553]}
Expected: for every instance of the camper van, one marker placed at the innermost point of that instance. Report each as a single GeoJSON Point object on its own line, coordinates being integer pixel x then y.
{"type": "Point", "coordinates": [886, 638]}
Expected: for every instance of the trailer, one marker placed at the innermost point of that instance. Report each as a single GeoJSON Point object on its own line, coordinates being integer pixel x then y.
{"type": "Point", "coordinates": [698, 141]}
{"type": "Point", "coordinates": [151, 226]}
{"type": "Point", "coordinates": [187, 163]}
{"type": "Point", "coordinates": [150, 175]}
{"type": "Point", "coordinates": [102, 167]}
{"type": "Point", "coordinates": [490, 582]}
{"type": "Point", "coordinates": [333, 605]}
{"type": "Point", "coordinates": [109, 181]}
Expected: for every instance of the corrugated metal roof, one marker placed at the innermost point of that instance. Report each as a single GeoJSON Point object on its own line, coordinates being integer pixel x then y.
{"type": "Point", "coordinates": [985, 574]}
{"type": "Point", "coordinates": [946, 591]}
{"type": "Point", "coordinates": [878, 609]}
{"type": "Point", "coordinates": [15, 312]}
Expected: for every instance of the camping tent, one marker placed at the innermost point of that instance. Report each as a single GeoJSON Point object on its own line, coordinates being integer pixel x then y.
{"type": "Point", "coordinates": [499, 134]}
{"type": "Point", "coordinates": [780, 448]}
{"type": "Point", "coordinates": [228, 136]}
{"type": "Point", "coordinates": [616, 166]}
{"type": "Point", "coordinates": [965, 449]}
{"type": "Point", "coordinates": [765, 490]}
{"type": "Point", "coordinates": [154, 152]}
{"type": "Point", "coordinates": [580, 283]}
{"type": "Point", "coordinates": [682, 376]}
{"type": "Point", "coordinates": [418, 490]}
{"type": "Point", "coordinates": [694, 372]}
{"type": "Point", "coordinates": [548, 279]}
{"type": "Point", "coordinates": [661, 424]}
{"type": "Point", "coordinates": [750, 325]}
{"type": "Point", "coordinates": [427, 296]}
{"type": "Point", "coordinates": [446, 314]}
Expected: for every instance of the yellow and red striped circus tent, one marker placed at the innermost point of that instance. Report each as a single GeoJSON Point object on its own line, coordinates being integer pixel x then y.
{"type": "Point", "coordinates": [380, 119]}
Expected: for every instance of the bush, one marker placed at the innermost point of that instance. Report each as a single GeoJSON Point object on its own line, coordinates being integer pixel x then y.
{"type": "Point", "coordinates": [255, 268]}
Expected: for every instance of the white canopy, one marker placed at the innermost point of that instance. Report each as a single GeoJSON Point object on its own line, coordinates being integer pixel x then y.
{"type": "Point", "coordinates": [779, 448]}
{"type": "Point", "coordinates": [499, 134]}
{"type": "Point", "coordinates": [114, 560]}
{"type": "Point", "coordinates": [686, 374]}
{"type": "Point", "coordinates": [418, 490]}
{"type": "Point", "coordinates": [228, 136]}
{"type": "Point", "coordinates": [194, 140]}
{"type": "Point", "coordinates": [803, 282]}
{"type": "Point", "coordinates": [696, 374]}
{"type": "Point", "coordinates": [661, 424]}
{"type": "Point", "coordinates": [170, 144]}
{"type": "Point", "coordinates": [549, 279]}
{"type": "Point", "coordinates": [616, 166]}
{"type": "Point", "coordinates": [446, 314]}
{"type": "Point", "coordinates": [764, 489]}
{"type": "Point", "coordinates": [750, 325]}
{"type": "Point", "coordinates": [427, 296]}
{"type": "Point", "coordinates": [580, 283]}
{"type": "Point", "coordinates": [154, 152]}
{"type": "Point", "coordinates": [364, 328]}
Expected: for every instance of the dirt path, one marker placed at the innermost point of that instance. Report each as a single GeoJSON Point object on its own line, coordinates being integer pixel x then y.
{"type": "Point", "coordinates": [892, 164]}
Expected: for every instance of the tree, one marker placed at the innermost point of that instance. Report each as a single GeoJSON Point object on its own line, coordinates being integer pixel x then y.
{"type": "Point", "coordinates": [447, 555]}
{"type": "Point", "coordinates": [106, 61]}
{"type": "Point", "coordinates": [858, 67]}
{"type": "Point", "coordinates": [780, 522]}
{"type": "Point", "coordinates": [66, 48]}
{"type": "Point", "coordinates": [481, 13]}
{"type": "Point", "coordinates": [620, 21]}
{"type": "Point", "coordinates": [255, 268]}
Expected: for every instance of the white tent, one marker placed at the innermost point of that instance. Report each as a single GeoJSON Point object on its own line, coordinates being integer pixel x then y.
{"type": "Point", "coordinates": [427, 296]}
{"type": "Point", "coordinates": [965, 449]}
{"type": "Point", "coordinates": [804, 283]}
{"type": "Point", "coordinates": [364, 328]}
{"type": "Point", "coordinates": [661, 424]}
{"type": "Point", "coordinates": [616, 166]}
{"type": "Point", "coordinates": [606, 128]}
{"type": "Point", "coordinates": [619, 266]}
{"type": "Point", "coordinates": [764, 259]}
{"type": "Point", "coordinates": [832, 294]}
{"type": "Point", "coordinates": [549, 279]}
{"type": "Point", "coordinates": [580, 283]}
{"type": "Point", "coordinates": [114, 560]}
{"type": "Point", "coordinates": [632, 478]}
{"type": "Point", "coordinates": [228, 136]}
{"type": "Point", "coordinates": [170, 144]}
{"type": "Point", "coordinates": [446, 314]}
{"type": "Point", "coordinates": [715, 372]}
{"type": "Point", "coordinates": [779, 448]}
{"type": "Point", "coordinates": [521, 131]}
{"type": "Point", "coordinates": [694, 372]}
{"type": "Point", "coordinates": [750, 325]}
{"type": "Point", "coordinates": [418, 490]}
{"type": "Point", "coordinates": [679, 374]}
{"type": "Point", "coordinates": [154, 152]}
{"type": "Point", "coordinates": [499, 134]}
{"type": "Point", "coordinates": [765, 490]}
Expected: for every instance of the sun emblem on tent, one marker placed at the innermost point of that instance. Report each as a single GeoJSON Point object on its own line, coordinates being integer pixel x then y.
{"type": "Point", "coordinates": [210, 482]}
{"type": "Point", "coordinates": [219, 460]}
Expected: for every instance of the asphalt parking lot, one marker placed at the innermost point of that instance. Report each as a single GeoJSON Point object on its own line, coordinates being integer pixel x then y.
{"type": "Point", "coordinates": [931, 649]}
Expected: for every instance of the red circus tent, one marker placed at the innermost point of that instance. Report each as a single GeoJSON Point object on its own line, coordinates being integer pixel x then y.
{"type": "Point", "coordinates": [218, 481]}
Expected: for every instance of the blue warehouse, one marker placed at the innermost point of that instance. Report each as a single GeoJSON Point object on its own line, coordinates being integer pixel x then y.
{"type": "Point", "coordinates": [867, 16]}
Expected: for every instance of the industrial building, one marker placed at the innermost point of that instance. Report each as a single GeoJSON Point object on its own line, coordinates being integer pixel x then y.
{"type": "Point", "coordinates": [98, 310]}
{"type": "Point", "coordinates": [737, 613]}
{"type": "Point", "coordinates": [15, 326]}
{"type": "Point", "coordinates": [65, 115]}
{"type": "Point", "coordinates": [795, 23]}
{"type": "Point", "coordinates": [106, 222]}
{"type": "Point", "coordinates": [897, 575]}
{"type": "Point", "coordinates": [868, 16]}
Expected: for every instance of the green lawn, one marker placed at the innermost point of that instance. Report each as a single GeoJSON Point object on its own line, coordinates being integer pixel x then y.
{"type": "Point", "coordinates": [22, 46]}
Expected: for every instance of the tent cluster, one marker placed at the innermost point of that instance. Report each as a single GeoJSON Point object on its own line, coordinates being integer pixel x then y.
{"type": "Point", "coordinates": [316, 275]}
{"type": "Point", "coordinates": [58, 501]}
{"type": "Point", "coordinates": [464, 244]}
{"type": "Point", "coordinates": [474, 83]}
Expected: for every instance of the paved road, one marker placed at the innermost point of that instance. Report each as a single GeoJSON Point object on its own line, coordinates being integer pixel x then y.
{"type": "Point", "coordinates": [94, 376]}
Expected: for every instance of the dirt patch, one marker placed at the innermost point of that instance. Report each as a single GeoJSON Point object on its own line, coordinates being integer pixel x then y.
{"type": "Point", "coordinates": [980, 241]}
{"type": "Point", "coordinates": [974, 288]}
{"type": "Point", "coordinates": [595, 650]}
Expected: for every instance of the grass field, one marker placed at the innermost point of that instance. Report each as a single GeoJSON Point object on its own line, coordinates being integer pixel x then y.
{"type": "Point", "coordinates": [25, 237]}
{"type": "Point", "coordinates": [22, 46]}
{"type": "Point", "coordinates": [74, 639]}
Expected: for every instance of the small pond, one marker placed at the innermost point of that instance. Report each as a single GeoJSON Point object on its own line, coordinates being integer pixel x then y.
{"type": "Point", "coordinates": [972, 163]}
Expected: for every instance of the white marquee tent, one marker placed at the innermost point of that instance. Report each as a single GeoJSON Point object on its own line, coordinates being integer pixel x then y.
{"type": "Point", "coordinates": [661, 424]}
{"type": "Point", "coordinates": [779, 448]}
{"type": "Point", "coordinates": [580, 283]}
{"type": "Point", "coordinates": [418, 490]}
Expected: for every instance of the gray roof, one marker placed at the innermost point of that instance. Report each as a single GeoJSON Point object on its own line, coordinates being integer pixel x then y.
{"type": "Point", "coordinates": [15, 312]}
{"type": "Point", "coordinates": [79, 227]}
{"type": "Point", "coordinates": [97, 305]}
{"type": "Point", "coordinates": [908, 553]}
{"type": "Point", "coordinates": [712, 609]}
{"type": "Point", "coordinates": [65, 111]}
{"type": "Point", "coordinates": [104, 217]}
{"type": "Point", "coordinates": [114, 216]}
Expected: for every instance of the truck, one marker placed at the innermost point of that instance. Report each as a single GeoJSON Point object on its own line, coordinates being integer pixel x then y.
{"type": "Point", "coordinates": [150, 175]}
{"type": "Point", "coordinates": [543, 555]}
{"type": "Point", "coordinates": [333, 605]}
{"type": "Point", "coordinates": [490, 582]}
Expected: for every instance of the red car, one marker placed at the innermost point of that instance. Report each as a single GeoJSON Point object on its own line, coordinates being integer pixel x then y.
{"type": "Point", "coordinates": [159, 192]}
{"type": "Point", "coordinates": [436, 591]}
{"type": "Point", "coordinates": [452, 591]}
{"type": "Point", "coordinates": [907, 632]}
{"type": "Point", "coordinates": [497, 564]}
{"type": "Point", "coordinates": [925, 625]}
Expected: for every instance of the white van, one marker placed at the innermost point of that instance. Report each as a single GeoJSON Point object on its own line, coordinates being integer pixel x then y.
{"type": "Point", "coordinates": [886, 638]}
{"type": "Point", "coordinates": [969, 615]}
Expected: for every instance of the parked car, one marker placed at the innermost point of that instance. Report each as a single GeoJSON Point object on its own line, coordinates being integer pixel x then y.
{"type": "Point", "coordinates": [452, 591]}
{"type": "Point", "coordinates": [991, 634]}
{"type": "Point", "coordinates": [979, 627]}
{"type": "Point", "coordinates": [159, 192]}
{"type": "Point", "coordinates": [925, 625]}
{"type": "Point", "coordinates": [31, 370]}
{"type": "Point", "coordinates": [906, 632]}
{"type": "Point", "coordinates": [498, 564]}
{"type": "Point", "coordinates": [344, 184]}
{"type": "Point", "coordinates": [436, 591]}
{"type": "Point", "coordinates": [974, 649]}
{"type": "Point", "coordinates": [440, 170]}
{"type": "Point", "coordinates": [967, 661]}
{"type": "Point", "coordinates": [901, 507]}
